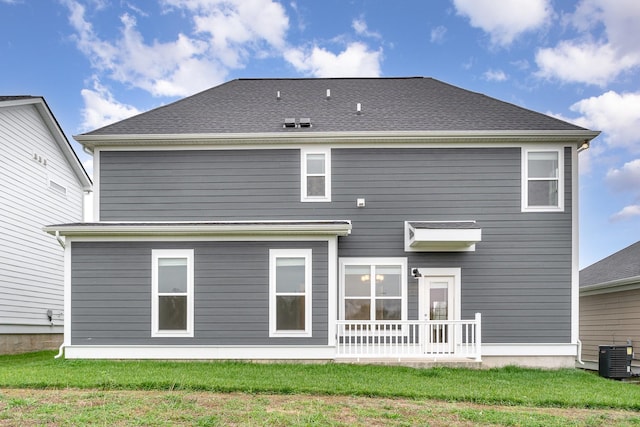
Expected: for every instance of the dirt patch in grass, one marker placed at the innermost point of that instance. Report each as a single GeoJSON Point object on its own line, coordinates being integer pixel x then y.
{"type": "Point", "coordinates": [24, 407]}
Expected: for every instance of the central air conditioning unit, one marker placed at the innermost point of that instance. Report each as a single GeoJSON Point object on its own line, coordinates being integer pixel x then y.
{"type": "Point", "coordinates": [614, 361]}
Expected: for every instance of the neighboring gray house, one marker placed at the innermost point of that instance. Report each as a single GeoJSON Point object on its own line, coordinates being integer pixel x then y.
{"type": "Point", "coordinates": [332, 219]}
{"type": "Point", "coordinates": [610, 304]}
{"type": "Point", "coordinates": [41, 181]}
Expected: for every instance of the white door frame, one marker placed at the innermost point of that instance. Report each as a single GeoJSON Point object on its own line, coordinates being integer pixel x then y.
{"type": "Point", "coordinates": [454, 276]}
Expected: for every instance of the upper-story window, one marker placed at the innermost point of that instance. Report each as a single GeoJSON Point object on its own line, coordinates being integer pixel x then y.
{"type": "Point", "coordinates": [542, 180]}
{"type": "Point", "coordinates": [315, 175]}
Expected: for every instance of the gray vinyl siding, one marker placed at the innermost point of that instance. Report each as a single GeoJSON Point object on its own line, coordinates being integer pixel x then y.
{"type": "Point", "coordinates": [519, 277]}
{"type": "Point", "coordinates": [111, 293]}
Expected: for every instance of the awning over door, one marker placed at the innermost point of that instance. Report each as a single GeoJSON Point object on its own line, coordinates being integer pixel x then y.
{"type": "Point", "coordinates": [441, 236]}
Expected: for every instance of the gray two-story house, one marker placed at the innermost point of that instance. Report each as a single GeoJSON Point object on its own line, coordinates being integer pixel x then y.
{"type": "Point", "coordinates": [329, 219]}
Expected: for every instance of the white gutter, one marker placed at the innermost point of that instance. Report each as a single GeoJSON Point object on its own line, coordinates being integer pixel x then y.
{"type": "Point", "coordinates": [224, 228]}
{"type": "Point", "coordinates": [91, 141]}
{"type": "Point", "coordinates": [625, 284]}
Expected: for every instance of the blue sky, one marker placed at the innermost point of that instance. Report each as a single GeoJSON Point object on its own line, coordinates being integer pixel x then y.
{"type": "Point", "coordinates": [98, 61]}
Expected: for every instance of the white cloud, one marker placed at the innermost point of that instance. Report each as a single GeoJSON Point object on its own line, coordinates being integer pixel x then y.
{"type": "Point", "coordinates": [628, 212]}
{"type": "Point", "coordinates": [361, 28]}
{"type": "Point", "coordinates": [237, 27]}
{"type": "Point", "coordinates": [617, 115]}
{"type": "Point", "coordinates": [606, 47]}
{"type": "Point", "coordinates": [626, 178]}
{"type": "Point", "coordinates": [591, 63]}
{"type": "Point", "coordinates": [495, 75]}
{"type": "Point", "coordinates": [88, 166]}
{"type": "Point", "coordinates": [355, 61]}
{"type": "Point", "coordinates": [505, 20]}
{"type": "Point", "coordinates": [101, 108]}
{"type": "Point", "coordinates": [226, 33]}
{"type": "Point", "coordinates": [438, 33]}
{"type": "Point", "coordinates": [158, 68]}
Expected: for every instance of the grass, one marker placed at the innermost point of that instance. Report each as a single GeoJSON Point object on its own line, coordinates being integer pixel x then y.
{"type": "Point", "coordinates": [505, 386]}
{"type": "Point", "coordinates": [216, 393]}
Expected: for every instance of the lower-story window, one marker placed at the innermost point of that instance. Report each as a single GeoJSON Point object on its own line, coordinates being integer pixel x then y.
{"type": "Point", "coordinates": [172, 293]}
{"type": "Point", "coordinates": [373, 288]}
{"type": "Point", "coordinates": [290, 292]}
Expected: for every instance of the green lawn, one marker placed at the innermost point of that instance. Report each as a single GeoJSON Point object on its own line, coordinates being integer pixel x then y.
{"type": "Point", "coordinates": [507, 386]}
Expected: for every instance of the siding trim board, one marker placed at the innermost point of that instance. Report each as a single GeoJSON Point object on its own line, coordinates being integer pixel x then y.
{"type": "Point", "coordinates": [186, 352]}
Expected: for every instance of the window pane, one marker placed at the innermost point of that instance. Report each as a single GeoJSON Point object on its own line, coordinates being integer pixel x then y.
{"type": "Point", "coordinates": [290, 313]}
{"type": "Point", "coordinates": [388, 281]}
{"type": "Point", "coordinates": [172, 275]}
{"type": "Point", "coordinates": [357, 309]}
{"type": "Point", "coordinates": [543, 164]}
{"type": "Point", "coordinates": [357, 281]}
{"type": "Point", "coordinates": [290, 275]}
{"type": "Point", "coordinates": [388, 309]}
{"type": "Point", "coordinates": [543, 193]}
{"type": "Point", "coordinates": [438, 306]}
{"type": "Point", "coordinates": [172, 313]}
{"type": "Point", "coordinates": [315, 164]}
{"type": "Point", "coordinates": [315, 186]}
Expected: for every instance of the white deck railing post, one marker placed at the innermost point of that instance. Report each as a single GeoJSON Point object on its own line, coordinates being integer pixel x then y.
{"type": "Point", "coordinates": [478, 337]}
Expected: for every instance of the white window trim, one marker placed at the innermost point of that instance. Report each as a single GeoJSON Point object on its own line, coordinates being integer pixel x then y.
{"type": "Point", "coordinates": [304, 152]}
{"type": "Point", "coordinates": [525, 180]}
{"type": "Point", "coordinates": [274, 254]}
{"type": "Point", "coordinates": [402, 262]}
{"type": "Point", "coordinates": [171, 253]}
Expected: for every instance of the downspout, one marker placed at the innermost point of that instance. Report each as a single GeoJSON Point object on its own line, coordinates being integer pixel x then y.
{"type": "Point", "coordinates": [580, 352]}
{"type": "Point", "coordinates": [60, 239]}
{"type": "Point", "coordinates": [60, 351]}
{"type": "Point", "coordinates": [62, 243]}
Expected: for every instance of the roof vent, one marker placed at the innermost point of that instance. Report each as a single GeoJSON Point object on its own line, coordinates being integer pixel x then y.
{"type": "Point", "coordinates": [289, 122]}
{"type": "Point", "coordinates": [359, 108]}
{"type": "Point", "coordinates": [278, 97]}
{"type": "Point", "coordinates": [305, 122]}
{"type": "Point", "coordinates": [328, 93]}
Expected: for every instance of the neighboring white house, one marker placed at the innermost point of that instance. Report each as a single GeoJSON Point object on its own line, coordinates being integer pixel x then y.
{"type": "Point", "coordinates": [42, 181]}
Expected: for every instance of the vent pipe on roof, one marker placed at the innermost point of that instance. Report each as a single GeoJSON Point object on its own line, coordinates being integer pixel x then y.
{"type": "Point", "coordinates": [328, 93]}
{"type": "Point", "coordinates": [358, 108]}
{"type": "Point", "coordinates": [278, 95]}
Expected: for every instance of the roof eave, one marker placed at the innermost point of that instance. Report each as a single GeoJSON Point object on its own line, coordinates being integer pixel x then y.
{"type": "Point", "coordinates": [625, 284]}
{"type": "Point", "coordinates": [577, 136]}
{"type": "Point", "coordinates": [203, 229]}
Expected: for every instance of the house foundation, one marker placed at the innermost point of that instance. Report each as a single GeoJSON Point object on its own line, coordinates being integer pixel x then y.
{"type": "Point", "coordinates": [25, 343]}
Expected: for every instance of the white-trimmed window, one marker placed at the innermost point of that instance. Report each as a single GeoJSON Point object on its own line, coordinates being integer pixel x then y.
{"type": "Point", "coordinates": [542, 180]}
{"type": "Point", "coordinates": [172, 293]}
{"type": "Point", "coordinates": [290, 293]}
{"type": "Point", "coordinates": [315, 174]}
{"type": "Point", "coordinates": [373, 289]}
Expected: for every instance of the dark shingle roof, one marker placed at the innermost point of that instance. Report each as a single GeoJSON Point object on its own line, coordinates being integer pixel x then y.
{"type": "Point", "coordinates": [388, 104]}
{"type": "Point", "coordinates": [15, 97]}
{"type": "Point", "coordinates": [623, 264]}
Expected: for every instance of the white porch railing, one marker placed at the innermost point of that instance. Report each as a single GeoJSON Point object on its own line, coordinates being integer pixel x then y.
{"type": "Point", "coordinates": [428, 339]}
